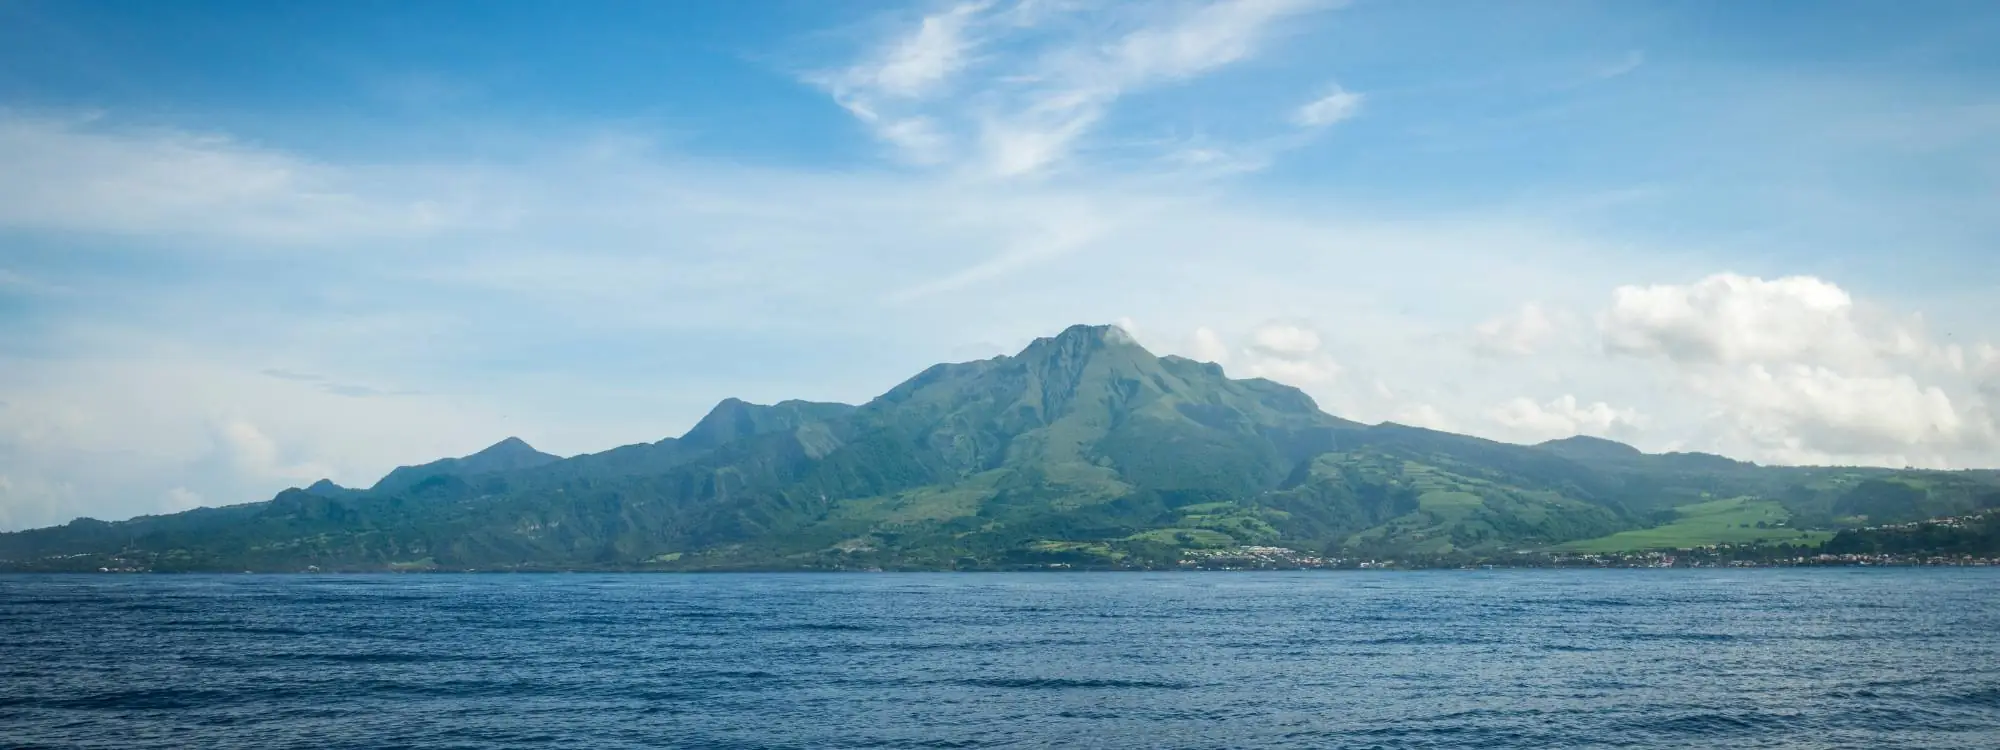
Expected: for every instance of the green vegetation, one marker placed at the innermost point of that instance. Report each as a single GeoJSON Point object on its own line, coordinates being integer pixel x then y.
{"type": "Point", "coordinates": [1976, 535]}
{"type": "Point", "coordinates": [1740, 520]}
{"type": "Point", "coordinates": [1186, 538]}
{"type": "Point", "coordinates": [1084, 450]}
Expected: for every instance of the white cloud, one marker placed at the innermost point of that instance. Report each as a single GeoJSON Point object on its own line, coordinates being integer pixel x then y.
{"type": "Point", "coordinates": [1082, 82]}
{"type": "Point", "coordinates": [1727, 318]}
{"type": "Point", "coordinates": [1205, 345]}
{"type": "Point", "coordinates": [912, 67]}
{"type": "Point", "coordinates": [1214, 34]}
{"type": "Point", "coordinates": [255, 455]}
{"type": "Point", "coordinates": [1302, 371]}
{"type": "Point", "coordinates": [1520, 333]}
{"type": "Point", "coordinates": [1794, 370]}
{"type": "Point", "coordinates": [1564, 417]}
{"type": "Point", "coordinates": [626, 274]}
{"type": "Point", "coordinates": [151, 430]}
{"type": "Point", "coordinates": [918, 64]}
{"type": "Point", "coordinates": [1288, 352]}
{"type": "Point", "coordinates": [1041, 91]}
{"type": "Point", "coordinates": [1026, 144]}
{"type": "Point", "coordinates": [917, 139]}
{"type": "Point", "coordinates": [1337, 105]}
{"type": "Point", "coordinates": [1291, 353]}
{"type": "Point", "coordinates": [1285, 340]}
{"type": "Point", "coordinates": [1807, 414]}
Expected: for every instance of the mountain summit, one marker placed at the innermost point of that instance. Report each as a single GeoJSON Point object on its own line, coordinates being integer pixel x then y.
{"type": "Point", "coordinates": [1586, 447]}
{"type": "Point", "coordinates": [735, 419]}
{"type": "Point", "coordinates": [1083, 448]}
{"type": "Point", "coordinates": [506, 455]}
{"type": "Point", "coordinates": [326, 488]}
{"type": "Point", "coordinates": [511, 453]}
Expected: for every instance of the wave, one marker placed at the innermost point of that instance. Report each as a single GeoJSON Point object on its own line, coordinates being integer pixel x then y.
{"type": "Point", "coordinates": [1068, 683]}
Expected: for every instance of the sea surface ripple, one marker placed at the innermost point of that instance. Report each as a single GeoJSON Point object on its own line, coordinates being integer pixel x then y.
{"type": "Point", "coordinates": [1906, 658]}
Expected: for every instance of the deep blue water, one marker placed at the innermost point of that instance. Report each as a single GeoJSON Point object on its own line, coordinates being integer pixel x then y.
{"type": "Point", "coordinates": [1493, 659]}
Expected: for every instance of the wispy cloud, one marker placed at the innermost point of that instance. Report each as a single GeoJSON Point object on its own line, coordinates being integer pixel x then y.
{"type": "Point", "coordinates": [916, 65]}
{"type": "Point", "coordinates": [1337, 105]}
{"type": "Point", "coordinates": [299, 377]}
{"type": "Point", "coordinates": [1041, 87]}
{"type": "Point", "coordinates": [1630, 62]}
{"type": "Point", "coordinates": [327, 385]}
{"type": "Point", "coordinates": [1058, 236]}
{"type": "Point", "coordinates": [902, 73]}
{"type": "Point", "coordinates": [79, 173]}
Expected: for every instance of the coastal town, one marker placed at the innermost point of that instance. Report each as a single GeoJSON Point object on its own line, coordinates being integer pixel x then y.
{"type": "Point", "coordinates": [1712, 556]}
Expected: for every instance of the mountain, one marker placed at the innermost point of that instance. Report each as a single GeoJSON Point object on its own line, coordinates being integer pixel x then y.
{"type": "Point", "coordinates": [509, 454]}
{"type": "Point", "coordinates": [734, 419]}
{"type": "Point", "coordinates": [326, 488]}
{"type": "Point", "coordinates": [1587, 448]}
{"type": "Point", "coordinates": [1083, 449]}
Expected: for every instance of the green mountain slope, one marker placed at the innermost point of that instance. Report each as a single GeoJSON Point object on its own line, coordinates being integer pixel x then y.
{"type": "Point", "coordinates": [1083, 449]}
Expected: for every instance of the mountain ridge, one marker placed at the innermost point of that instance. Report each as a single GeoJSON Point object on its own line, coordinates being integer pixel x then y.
{"type": "Point", "coordinates": [1082, 449]}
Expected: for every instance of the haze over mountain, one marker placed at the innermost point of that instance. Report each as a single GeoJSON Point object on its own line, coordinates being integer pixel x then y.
{"type": "Point", "coordinates": [1083, 448]}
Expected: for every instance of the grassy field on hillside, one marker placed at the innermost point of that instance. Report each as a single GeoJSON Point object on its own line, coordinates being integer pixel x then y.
{"type": "Point", "coordinates": [1732, 521]}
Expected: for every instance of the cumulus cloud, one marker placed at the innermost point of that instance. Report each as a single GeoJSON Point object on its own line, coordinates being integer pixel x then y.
{"type": "Point", "coordinates": [1794, 370]}
{"type": "Point", "coordinates": [254, 454]}
{"type": "Point", "coordinates": [1289, 352]}
{"type": "Point", "coordinates": [1564, 417]}
{"type": "Point", "coordinates": [1728, 318]}
{"type": "Point", "coordinates": [1284, 340]}
{"type": "Point", "coordinates": [1807, 414]}
{"type": "Point", "coordinates": [1985, 367]}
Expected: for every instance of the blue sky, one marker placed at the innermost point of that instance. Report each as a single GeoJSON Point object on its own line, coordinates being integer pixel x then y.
{"type": "Point", "coordinates": [245, 245]}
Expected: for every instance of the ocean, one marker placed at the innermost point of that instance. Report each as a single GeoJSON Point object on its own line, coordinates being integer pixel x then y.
{"type": "Point", "coordinates": [1794, 658]}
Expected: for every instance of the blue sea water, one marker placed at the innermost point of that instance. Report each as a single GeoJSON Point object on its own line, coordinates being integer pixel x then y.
{"type": "Point", "coordinates": [1490, 659]}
